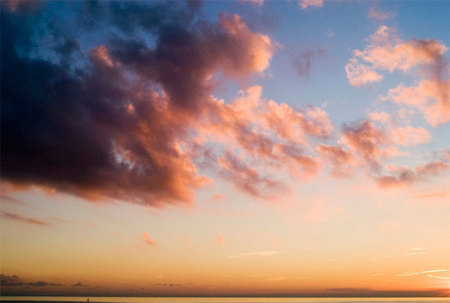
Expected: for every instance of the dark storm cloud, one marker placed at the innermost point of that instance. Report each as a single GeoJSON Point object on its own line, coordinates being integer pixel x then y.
{"type": "Point", "coordinates": [99, 127]}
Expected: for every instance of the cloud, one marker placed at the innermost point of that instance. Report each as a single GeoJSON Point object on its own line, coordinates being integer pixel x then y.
{"type": "Point", "coordinates": [380, 117]}
{"type": "Point", "coordinates": [359, 74]}
{"type": "Point", "coordinates": [438, 277]}
{"type": "Point", "coordinates": [379, 14]}
{"type": "Point", "coordinates": [9, 199]}
{"type": "Point", "coordinates": [302, 61]}
{"type": "Point", "coordinates": [21, 5]}
{"type": "Point", "coordinates": [403, 176]}
{"type": "Point", "coordinates": [147, 239]}
{"type": "Point", "coordinates": [117, 125]}
{"type": "Point", "coordinates": [220, 239]}
{"type": "Point", "coordinates": [79, 284]}
{"type": "Point", "coordinates": [304, 4]}
{"type": "Point", "coordinates": [266, 138]}
{"type": "Point", "coordinates": [10, 280]}
{"type": "Point", "coordinates": [387, 52]}
{"type": "Point", "coordinates": [247, 178]}
{"type": "Point", "coordinates": [410, 136]}
{"type": "Point", "coordinates": [411, 273]}
{"type": "Point", "coordinates": [23, 219]}
{"type": "Point", "coordinates": [14, 280]}
{"type": "Point", "coordinates": [256, 253]}
{"type": "Point", "coordinates": [341, 161]}
{"type": "Point", "coordinates": [364, 139]}
{"type": "Point", "coordinates": [256, 2]}
{"type": "Point", "coordinates": [430, 96]}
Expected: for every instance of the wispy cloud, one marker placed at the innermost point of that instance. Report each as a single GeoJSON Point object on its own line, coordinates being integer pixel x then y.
{"type": "Point", "coordinates": [438, 277]}
{"type": "Point", "coordinates": [417, 251]}
{"type": "Point", "coordinates": [23, 219]}
{"type": "Point", "coordinates": [256, 253]}
{"type": "Point", "coordinates": [416, 273]}
{"type": "Point", "coordinates": [220, 239]}
{"type": "Point", "coordinates": [379, 14]}
{"type": "Point", "coordinates": [147, 239]}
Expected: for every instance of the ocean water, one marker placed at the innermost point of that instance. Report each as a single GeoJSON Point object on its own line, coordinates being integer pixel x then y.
{"type": "Point", "coordinates": [221, 300]}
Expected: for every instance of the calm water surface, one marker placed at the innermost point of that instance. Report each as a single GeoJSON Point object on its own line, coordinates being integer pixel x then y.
{"type": "Point", "coordinates": [224, 300]}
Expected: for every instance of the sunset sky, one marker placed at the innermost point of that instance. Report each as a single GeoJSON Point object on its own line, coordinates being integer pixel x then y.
{"type": "Point", "coordinates": [225, 148]}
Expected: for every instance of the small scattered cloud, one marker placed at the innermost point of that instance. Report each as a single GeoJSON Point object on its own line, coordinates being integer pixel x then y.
{"type": "Point", "coordinates": [304, 4]}
{"type": "Point", "coordinates": [168, 284]}
{"type": "Point", "coordinates": [379, 14]}
{"type": "Point", "coordinates": [387, 52]}
{"type": "Point", "coordinates": [220, 239]}
{"type": "Point", "coordinates": [79, 284]}
{"type": "Point", "coordinates": [147, 239]}
{"type": "Point", "coordinates": [302, 61]}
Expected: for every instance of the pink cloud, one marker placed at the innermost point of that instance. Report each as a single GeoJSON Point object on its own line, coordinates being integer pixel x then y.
{"type": "Point", "coordinates": [304, 4]}
{"type": "Point", "coordinates": [359, 74]}
{"type": "Point", "coordinates": [403, 176]}
{"type": "Point", "coordinates": [380, 117]}
{"type": "Point", "coordinates": [341, 161]}
{"type": "Point", "coordinates": [256, 2]}
{"type": "Point", "coordinates": [380, 15]}
{"type": "Point", "coordinates": [410, 136]}
{"type": "Point", "coordinates": [268, 135]}
{"type": "Point", "coordinates": [429, 96]}
{"type": "Point", "coordinates": [387, 52]}
{"type": "Point", "coordinates": [365, 140]}
{"type": "Point", "coordinates": [247, 178]}
{"type": "Point", "coordinates": [147, 239]}
{"type": "Point", "coordinates": [251, 52]}
{"type": "Point", "coordinates": [220, 239]}
{"type": "Point", "coordinates": [100, 55]}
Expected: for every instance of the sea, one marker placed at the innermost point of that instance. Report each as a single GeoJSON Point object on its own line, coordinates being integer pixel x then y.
{"type": "Point", "coordinates": [217, 300]}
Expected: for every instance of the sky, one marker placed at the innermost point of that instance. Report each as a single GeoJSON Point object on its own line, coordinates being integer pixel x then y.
{"type": "Point", "coordinates": [225, 148]}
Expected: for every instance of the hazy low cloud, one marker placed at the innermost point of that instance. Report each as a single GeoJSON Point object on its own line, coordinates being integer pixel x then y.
{"type": "Point", "coordinates": [16, 281]}
{"type": "Point", "coordinates": [256, 253]}
{"type": "Point", "coordinates": [23, 219]}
